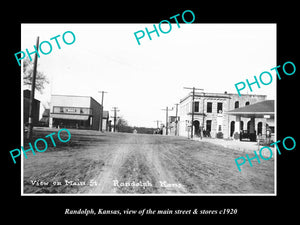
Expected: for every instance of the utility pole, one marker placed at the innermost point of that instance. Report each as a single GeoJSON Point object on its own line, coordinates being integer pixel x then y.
{"type": "Point", "coordinates": [30, 122]}
{"type": "Point", "coordinates": [176, 120]}
{"type": "Point", "coordinates": [115, 117]}
{"type": "Point", "coordinates": [193, 106]}
{"type": "Point", "coordinates": [167, 110]}
{"type": "Point", "coordinates": [101, 113]}
{"type": "Point", "coordinates": [157, 122]}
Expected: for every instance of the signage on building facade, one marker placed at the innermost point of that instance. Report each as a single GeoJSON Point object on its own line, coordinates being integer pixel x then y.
{"type": "Point", "coordinates": [72, 110]}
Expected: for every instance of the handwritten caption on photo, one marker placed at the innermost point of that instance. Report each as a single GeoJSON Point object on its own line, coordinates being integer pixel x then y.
{"type": "Point", "coordinates": [92, 182]}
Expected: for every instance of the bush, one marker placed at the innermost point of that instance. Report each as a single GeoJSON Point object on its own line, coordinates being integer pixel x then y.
{"type": "Point", "coordinates": [220, 135]}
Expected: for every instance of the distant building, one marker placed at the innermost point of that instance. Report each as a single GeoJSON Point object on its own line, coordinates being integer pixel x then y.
{"type": "Point", "coordinates": [172, 125]}
{"type": "Point", "coordinates": [35, 110]}
{"type": "Point", "coordinates": [82, 112]}
{"type": "Point", "coordinates": [210, 114]}
{"type": "Point", "coordinates": [105, 121]}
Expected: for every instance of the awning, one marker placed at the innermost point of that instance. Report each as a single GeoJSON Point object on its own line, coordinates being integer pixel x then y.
{"type": "Point", "coordinates": [69, 116]}
{"type": "Point", "coordinates": [264, 109]}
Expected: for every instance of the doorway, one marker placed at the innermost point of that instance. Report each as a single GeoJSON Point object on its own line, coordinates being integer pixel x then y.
{"type": "Point", "coordinates": [196, 124]}
{"type": "Point", "coordinates": [232, 124]}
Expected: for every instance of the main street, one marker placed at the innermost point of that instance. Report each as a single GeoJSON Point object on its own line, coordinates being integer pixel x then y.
{"type": "Point", "coordinates": [122, 163]}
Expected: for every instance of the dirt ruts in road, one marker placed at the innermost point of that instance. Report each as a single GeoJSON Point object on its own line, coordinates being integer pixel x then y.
{"type": "Point", "coordinates": [154, 164]}
{"type": "Point", "coordinates": [143, 164]}
{"type": "Point", "coordinates": [114, 157]}
{"type": "Point", "coordinates": [123, 163]}
{"type": "Point", "coordinates": [136, 160]}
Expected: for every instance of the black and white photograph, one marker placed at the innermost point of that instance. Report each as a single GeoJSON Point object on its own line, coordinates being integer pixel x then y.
{"type": "Point", "coordinates": [138, 109]}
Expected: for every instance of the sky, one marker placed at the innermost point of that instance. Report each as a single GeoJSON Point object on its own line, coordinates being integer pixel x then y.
{"type": "Point", "coordinates": [141, 80]}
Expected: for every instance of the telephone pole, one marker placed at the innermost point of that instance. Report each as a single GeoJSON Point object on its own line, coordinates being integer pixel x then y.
{"type": "Point", "coordinates": [176, 120]}
{"type": "Point", "coordinates": [115, 117]}
{"type": "Point", "coordinates": [193, 106]}
{"type": "Point", "coordinates": [167, 111]}
{"type": "Point", "coordinates": [31, 105]}
{"type": "Point", "coordinates": [157, 122]}
{"type": "Point", "coordinates": [101, 113]}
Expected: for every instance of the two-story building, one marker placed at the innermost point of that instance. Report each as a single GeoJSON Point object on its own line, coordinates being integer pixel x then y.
{"type": "Point", "coordinates": [210, 115]}
{"type": "Point", "coordinates": [35, 109]}
{"type": "Point", "coordinates": [74, 112]}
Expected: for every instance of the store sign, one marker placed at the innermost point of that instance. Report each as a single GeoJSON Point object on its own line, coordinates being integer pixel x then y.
{"type": "Point", "coordinates": [70, 110]}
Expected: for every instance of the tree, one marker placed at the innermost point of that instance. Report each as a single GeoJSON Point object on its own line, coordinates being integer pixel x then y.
{"type": "Point", "coordinates": [41, 79]}
{"type": "Point", "coordinates": [145, 130]}
{"type": "Point", "coordinates": [122, 126]}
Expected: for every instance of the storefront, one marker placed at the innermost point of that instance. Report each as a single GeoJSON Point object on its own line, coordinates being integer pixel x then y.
{"type": "Point", "coordinates": [260, 121]}
{"type": "Point", "coordinates": [81, 112]}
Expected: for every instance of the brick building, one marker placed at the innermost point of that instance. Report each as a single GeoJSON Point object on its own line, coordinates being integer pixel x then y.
{"type": "Point", "coordinates": [35, 109]}
{"type": "Point", "coordinates": [210, 113]}
{"type": "Point", "coordinates": [74, 112]}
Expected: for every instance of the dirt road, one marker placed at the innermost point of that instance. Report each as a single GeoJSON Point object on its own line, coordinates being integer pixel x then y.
{"type": "Point", "coordinates": [135, 166]}
{"type": "Point", "coordinates": [120, 163]}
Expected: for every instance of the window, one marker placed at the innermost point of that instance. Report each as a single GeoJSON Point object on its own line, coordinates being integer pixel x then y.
{"type": "Point", "coordinates": [209, 107]}
{"type": "Point", "coordinates": [247, 103]}
{"type": "Point", "coordinates": [196, 106]}
{"type": "Point", "coordinates": [220, 107]}
{"type": "Point", "coordinates": [236, 104]}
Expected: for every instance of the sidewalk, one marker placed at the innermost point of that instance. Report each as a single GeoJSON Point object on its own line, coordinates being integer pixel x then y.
{"type": "Point", "coordinates": [243, 146]}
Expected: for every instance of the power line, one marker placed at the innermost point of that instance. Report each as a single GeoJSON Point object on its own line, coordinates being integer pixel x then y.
{"type": "Point", "coordinates": [101, 113]}
{"type": "Point", "coordinates": [193, 106]}
{"type": "Point", "coordinates": [167, 110]}
{"type": "Point", "coordinates": [176, 119]}
{"type": "Point", "coordinates": [30, 119]}
{"type": "Point", "coordinates": [157, 122]}
{"type": "Point", "coordinates": [115, 117]}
